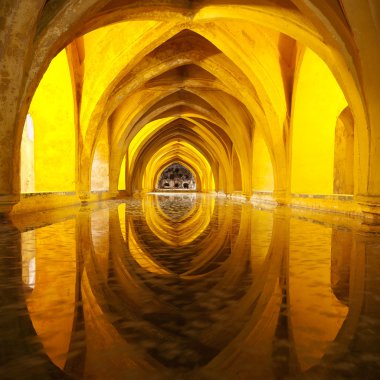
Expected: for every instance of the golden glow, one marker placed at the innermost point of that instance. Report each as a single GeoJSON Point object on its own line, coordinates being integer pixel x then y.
{"type": "Point", "coordinates": [262, 178]}
{"type": "Point", "coordinates": [55, 279]}
{"type": "Point", "coordinates": [273, 103]}
{"type": "Point", "coordinates": [27, 172]}
{"type": "Point", "coordinates": [310, 291]}
{"type": "Point", "coordinates": [269, 103]}
{"type": "Point", "coordinates": [317, 106]}
{"type": "Point", "coordinates": [228, 261]}
{"type": "Point", "coordinates": [141, 137]}
{"type": "Point", "coordinates": [52, 111]}
{"type": "Point", "coordinates": [179, 151]}
{"type": "Point", "coordinates": [141, 257]}
{"type": "Point", "coordinates": [121, 182]}
{"type": "Point", "coordinates": [121, 209]}
{"type": "Point", "coordinates": [100, 242]}
{"type": "Point", "coordinates": [193, 223]}
{"type": "Point", "coordinates": [249, 103]}
{"type": "Point", "coordinates": [117, 45]}
{"type": "Point", "coordinates": [100, 163]}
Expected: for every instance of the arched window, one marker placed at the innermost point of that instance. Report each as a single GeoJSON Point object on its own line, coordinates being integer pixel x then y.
{"type": "Point", "coordinates": [176, 173]}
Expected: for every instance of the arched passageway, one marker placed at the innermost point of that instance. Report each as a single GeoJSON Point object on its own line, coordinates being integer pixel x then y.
{"type": "Point", "coordinates": [266, 103]}
{"type": "Point", "coordinates": [251, 98]}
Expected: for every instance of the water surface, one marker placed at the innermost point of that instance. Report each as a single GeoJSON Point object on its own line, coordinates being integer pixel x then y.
{"type": "Point", "coordinates": [188, 286]}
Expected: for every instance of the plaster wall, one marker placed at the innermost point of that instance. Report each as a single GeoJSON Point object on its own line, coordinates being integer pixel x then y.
{"type": "Point", "coordinates": [317, 105]}
{"type": "Point", "coordinates": [121, 182]}
{"type": "Point", "coordinates": [262, 169]}
{"type": "Point", "coordinates": [100, 163]}
{"type": "Point", "coordinates": [27, 157]}
{"type": "Point", "coordinates": [52, 111]}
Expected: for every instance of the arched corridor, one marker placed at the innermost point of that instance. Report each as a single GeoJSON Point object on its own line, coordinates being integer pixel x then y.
{"type": "Point", "coordinates": [179, 145]}
{"type": "Point", "coordinates": [250, 96]}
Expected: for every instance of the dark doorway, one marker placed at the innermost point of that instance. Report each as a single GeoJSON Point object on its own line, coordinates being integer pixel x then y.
{"type": "Point", "coordinates": [176, 177]}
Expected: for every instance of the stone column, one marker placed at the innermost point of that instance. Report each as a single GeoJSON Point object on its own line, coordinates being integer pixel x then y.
{"type": "Point", "coordinates": [365, 25]}
{"type": "Point", "coordinates": [16, 36]}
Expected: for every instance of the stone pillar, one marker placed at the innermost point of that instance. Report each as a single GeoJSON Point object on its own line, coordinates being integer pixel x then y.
{"type": "Point", "coordinates": [365, 25]}
{"type": "Point", "coordinates": [16, 38]}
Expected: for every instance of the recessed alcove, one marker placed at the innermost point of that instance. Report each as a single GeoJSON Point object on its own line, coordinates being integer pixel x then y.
{"type": "Point", "coordinates": [176, 177]}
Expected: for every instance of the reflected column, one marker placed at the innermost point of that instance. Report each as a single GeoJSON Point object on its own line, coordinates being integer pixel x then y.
{"type": "Point", "coordinates": [21, 353]}
{"type": "Point", "coordinates": [283, 355]}
{"type": "Point", "coordinates": [365, 346]}
{"type": "Point", "coordinates": [76, 359]}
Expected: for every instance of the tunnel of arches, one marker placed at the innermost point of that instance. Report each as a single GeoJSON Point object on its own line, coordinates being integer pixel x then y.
{"type": "Point", "coordinates": [272, 101]}
{"type": "Point", "coordinates": [255, 108]}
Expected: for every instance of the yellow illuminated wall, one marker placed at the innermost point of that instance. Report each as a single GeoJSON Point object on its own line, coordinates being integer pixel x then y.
{"type": "Point", "coordinates": [262, 170]}
{"type": "Point", "coordinates": [117, 45]}
{"type": "Point", "coordinates": [100, 240]}
{"type": "Point", "coordinates": [317, 105]}
{"type": "Point", "coordinates": [55, 279]}
{"type": "Point", "coordinates": [52, 110]}
{"type": "Point", "coordinates": [316, 315]}
{"type": "Point", "coordinates": [121, 183]}
{"type": "Point", "coordinates": [27, 157]}
{"type": "Point", "coordinates": [344, 154]}
{"type": "Point", "coordinates": [100, 163]}
{"type": "Point", "coordinates": [236, 172]}
{"type": "Point", "coordinates": [249, 106]}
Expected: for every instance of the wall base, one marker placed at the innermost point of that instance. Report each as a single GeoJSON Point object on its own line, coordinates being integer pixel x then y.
{"type": "Point", "coordinates": [266, 198]}
{"type": "Point", "coordinates": [34, 202]}
{"type": "Point", "coordinates": [337, 203]}
{"type": "Point", "coordinates": [367, 207]}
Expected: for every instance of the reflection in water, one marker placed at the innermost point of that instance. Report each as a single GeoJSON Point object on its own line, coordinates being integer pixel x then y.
{"type": "Point", "coordinates": [28, 242]}
{"type": "Point", "coordinates": [189, 286]}
{"type": "Point", "coordinates": [176, 207]}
